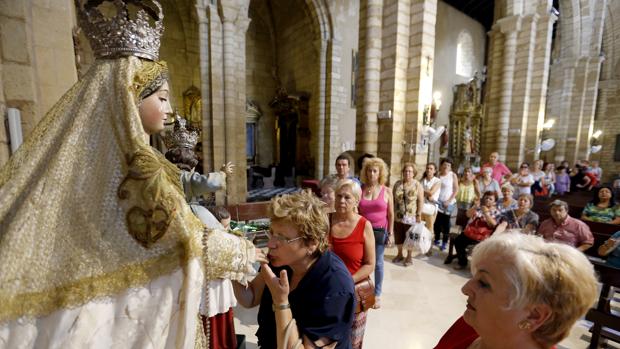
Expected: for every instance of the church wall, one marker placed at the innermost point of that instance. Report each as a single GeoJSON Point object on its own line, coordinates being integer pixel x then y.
{"type": "Point", "coordinates": [297, 54]}
{"type": "Point", "coordinates": [345, 16]}
{"type": "Point", "coordinates": [451, 23]}
{"type": "Point", "coordinates": [37, 62]}
{"type": "Point", "coordinates": [260, 85]}
{"type": "Point", "coordinates": [52, 25]}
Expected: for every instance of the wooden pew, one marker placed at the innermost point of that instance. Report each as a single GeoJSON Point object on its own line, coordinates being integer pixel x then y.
{"type": "Point", "coordinates": [606, 324]}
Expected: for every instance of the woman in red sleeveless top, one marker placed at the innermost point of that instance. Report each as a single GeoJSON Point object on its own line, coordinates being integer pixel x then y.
{"type": "Point", "coordinates": [352, 239]}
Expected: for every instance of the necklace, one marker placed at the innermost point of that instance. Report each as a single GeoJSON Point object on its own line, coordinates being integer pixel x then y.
{"type": "Point", "coordinates": [370, 190]}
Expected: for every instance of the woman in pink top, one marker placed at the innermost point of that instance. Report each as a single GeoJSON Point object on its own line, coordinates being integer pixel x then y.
{"type": "Point", "coordinates": [377, 206]}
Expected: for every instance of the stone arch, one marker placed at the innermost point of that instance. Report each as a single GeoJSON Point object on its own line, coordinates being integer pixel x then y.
{"type": "Point", "coordinates": [464, 54]}
{"type": "Point", "coordinates": [287, 38]}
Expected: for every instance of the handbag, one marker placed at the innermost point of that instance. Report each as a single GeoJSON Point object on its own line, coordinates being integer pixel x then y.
{"type": "Point", "coordinates": [478, 229]}
{"type": "Point", "coordinates": [364, 295]}
{"type": "Point", "coordinates": [429, 209]}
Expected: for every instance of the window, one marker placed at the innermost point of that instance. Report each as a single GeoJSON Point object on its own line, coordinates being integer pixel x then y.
{"type": "Point", "coordinates": [464, 55]}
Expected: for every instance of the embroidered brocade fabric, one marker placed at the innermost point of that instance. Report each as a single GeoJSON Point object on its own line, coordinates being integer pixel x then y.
{"type": "Point", "coordinates": [65, 233]}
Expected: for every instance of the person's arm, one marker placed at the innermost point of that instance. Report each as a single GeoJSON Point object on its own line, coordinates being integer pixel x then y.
{"type": "Point", "coordinates": [418, 214]}
{"type": "Point", "coordinates": [251, 295]}
{"type": "Point", "coordinates": [506, 170]}
{"type": "Point", "coordinates": [434, 189]}
{"type": "Point", "coordinates": [584, 247]}
{"type": "Point", "coordinates": [609, 246]}
{"type": "Point", "coordinates": [532, 222]}
{"type": "Point", "coordinates": [477, 188]}
{"type": "Point", "coordinates": [280, 289]}
{"type": "Point", "coordinates": [488, 217]}
{"type": "Point", "coordinates": [472, 210]}
{"type": "Point", "coordinates": [587, 239]}
{"type": "Point", "coordinates": [368, 262]}
{"type": "Point", "coordinates": [514, 180]}
{"type": "Point", "coordinates": [585, 213]}
{"type": "Point", "coordinates": [498, 188]}
{"type": "Point", "coordinates": [586, 182]}
{"type": "Point", "coordinates": [455, 189]}
{"type": "Point", "coordinates": [390, 215]}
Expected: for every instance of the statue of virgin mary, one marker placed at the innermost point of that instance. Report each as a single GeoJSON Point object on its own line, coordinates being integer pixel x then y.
{"type": "Point", "coordinates": [98, 247]}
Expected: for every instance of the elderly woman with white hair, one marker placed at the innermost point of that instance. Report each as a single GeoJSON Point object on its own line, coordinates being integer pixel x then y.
{"type": "Point", "coordinates": [352, 239]}
{"type": "Point", "coordinates": [525, 293]}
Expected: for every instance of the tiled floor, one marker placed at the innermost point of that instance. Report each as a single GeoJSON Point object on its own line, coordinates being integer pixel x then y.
{"type": "Point", "coordinates": [419, 304]}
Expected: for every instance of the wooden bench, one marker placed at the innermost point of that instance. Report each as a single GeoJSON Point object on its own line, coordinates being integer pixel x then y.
{"type": "Point", "coordinates": [606, 324]}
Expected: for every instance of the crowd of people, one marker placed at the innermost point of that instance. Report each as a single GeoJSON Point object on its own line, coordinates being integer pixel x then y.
{"type": "Point", "coordinates": [365, 216]}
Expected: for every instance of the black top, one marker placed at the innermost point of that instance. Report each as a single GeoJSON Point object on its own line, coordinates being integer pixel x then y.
{"type": "Point", "coordinates": [323, 304]}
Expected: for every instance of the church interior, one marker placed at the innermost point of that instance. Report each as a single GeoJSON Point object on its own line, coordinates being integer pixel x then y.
{"type": "Point", "coordinates": [310, 80]}
{"type": "Point", "coordinates": [281, 88]}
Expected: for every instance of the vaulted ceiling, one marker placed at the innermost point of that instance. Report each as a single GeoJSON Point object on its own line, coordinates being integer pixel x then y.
{"type": "Point", "coordinates": [480, 10]}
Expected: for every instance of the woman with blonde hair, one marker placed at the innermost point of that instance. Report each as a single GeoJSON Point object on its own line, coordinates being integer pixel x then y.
{"type": "Point", "coordinates": [352, 239]}
{"type": "Point", "coordinates": [304, 290]}
{"type": "Point", "coordinates": [377, 206]}
{"type": "Point", "coordinates": [525, 293]}
{"type": "Point", "coordinates": [408, 201]}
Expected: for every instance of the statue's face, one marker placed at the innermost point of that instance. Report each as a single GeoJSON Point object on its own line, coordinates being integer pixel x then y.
{"type": "Point", "coordinates": [154, 110]}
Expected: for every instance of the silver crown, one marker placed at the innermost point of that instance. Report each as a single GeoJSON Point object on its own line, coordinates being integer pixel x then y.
{"type": "Point", "coordinates": [181, 137]}
{"type": "Point", "coordinates": [121, 36]}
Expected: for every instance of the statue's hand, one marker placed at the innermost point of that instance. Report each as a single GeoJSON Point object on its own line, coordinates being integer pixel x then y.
{"type": "Point", "coordinates": [228, 168]}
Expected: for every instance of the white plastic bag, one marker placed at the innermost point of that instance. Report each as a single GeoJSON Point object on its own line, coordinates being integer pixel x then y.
{"type": "Point", "coordinates": [418, 239]}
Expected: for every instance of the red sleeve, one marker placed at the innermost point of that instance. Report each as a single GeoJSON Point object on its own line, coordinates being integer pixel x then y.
{"type": "Point", "coordinates": [459, 336]}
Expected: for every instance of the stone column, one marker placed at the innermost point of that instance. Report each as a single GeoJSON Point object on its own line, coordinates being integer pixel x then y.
{"type": "Point", "coordinates": [510, 27]}
{"type": "Point", "coordinates": [335, 99]}
{"type": "Point", "coordinates": [202, 13]}
{"type": "Point", "coordinates": [493, 93]}
{"type": "Point", "coordinates": [369, 75]}
{"type": "Point", "coordinates": [590, 95]}
{"type": "Point", "coordinates": [539, 83]}
{"type": "Point", "coordinates": [521, 88]}
{"type": "Point", "coordinates": [395, 54]}
{"type": "Point", "coordinates": [234, 26]}
{"type": "Point", "coordinates": [421, 56]}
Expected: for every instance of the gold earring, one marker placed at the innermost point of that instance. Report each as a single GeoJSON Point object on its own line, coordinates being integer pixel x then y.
{"type": "Point", "coordinates": [524, 325]}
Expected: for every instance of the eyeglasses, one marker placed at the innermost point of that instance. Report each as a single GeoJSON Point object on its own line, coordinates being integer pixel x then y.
{"type": "Point", "coordinates": [282, 239]}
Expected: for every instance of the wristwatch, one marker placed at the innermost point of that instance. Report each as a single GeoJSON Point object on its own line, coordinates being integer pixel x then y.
{"type": "Point", "coordinates": [276, 307]}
